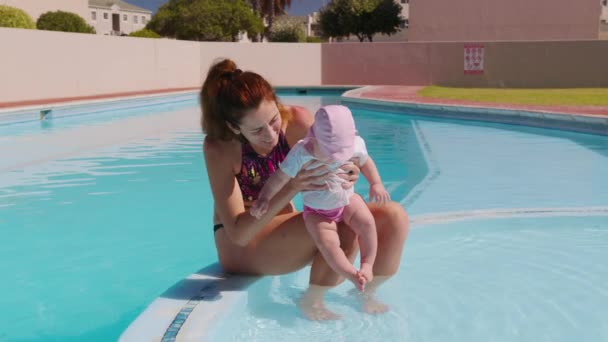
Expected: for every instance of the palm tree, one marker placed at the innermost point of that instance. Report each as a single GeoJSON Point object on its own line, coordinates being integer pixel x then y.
{"type": "Point", "coordinates": [270, 8]}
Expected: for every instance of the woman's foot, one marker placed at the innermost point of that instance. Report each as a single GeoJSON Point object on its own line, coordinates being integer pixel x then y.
{"type": "Point", "coordinates": [312, 306]}
{"type": "Point", "coordinates": [371, 305]}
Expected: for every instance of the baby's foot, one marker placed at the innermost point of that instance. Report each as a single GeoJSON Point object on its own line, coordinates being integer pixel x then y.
{"type": "Point", "coordinates": [367, 272]}
{"type": "Point", "coordinates": [358, 280]}
{"type": "Point", "coordinates": [312, 307]}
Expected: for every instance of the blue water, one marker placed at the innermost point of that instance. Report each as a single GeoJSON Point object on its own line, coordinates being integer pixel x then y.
{"type": "Point", "coordinates": [524, 279]}
{"type": "Point", "coordinates": [101, 213]}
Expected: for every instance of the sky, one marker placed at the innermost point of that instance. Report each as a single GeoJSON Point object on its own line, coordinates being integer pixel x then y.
{"type": "Point", "coordinates": [298, 7]}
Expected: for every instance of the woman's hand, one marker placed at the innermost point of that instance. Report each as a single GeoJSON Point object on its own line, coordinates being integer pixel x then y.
{"type": "Point", "coordinates": [312, 176]}
{"type": "Point", "coordinates": [350, 175]}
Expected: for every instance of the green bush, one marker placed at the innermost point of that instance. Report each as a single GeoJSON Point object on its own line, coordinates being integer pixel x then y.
{"type": "Point", "coordinates": [287, 31]}
{"type": "Point", "coordinates": [16, 18]}
{"type": "Point", "coordinates": [144, 33]}
{"type": "Point", "coordinates": [315, 40]}
{"type": "Point", "coordinates": [63, 21]}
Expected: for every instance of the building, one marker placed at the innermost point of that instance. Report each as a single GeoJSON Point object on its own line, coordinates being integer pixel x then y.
{"type": "Point", "coordinates": [309, 23]}
{"type": "Point", "coordinates": [116, 17]}
{"type": "Point", "coordinates": [108, 17]}
{"type": "Point", "coordinates": [405, 13]}
{"type": "Point", "coordinates": [604, 15]}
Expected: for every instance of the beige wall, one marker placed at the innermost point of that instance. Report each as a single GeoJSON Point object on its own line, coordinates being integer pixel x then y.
{"type": "Point", "coordinates": [492, 20]}
{"type": "Point", "coordinates": [375, 63]}
{"type": "Point", "coordinates": [44, 64]}
{"type": "Point", "coordinates": [507, 64]}
{"type": "Point", "coordinates": [37, 7]}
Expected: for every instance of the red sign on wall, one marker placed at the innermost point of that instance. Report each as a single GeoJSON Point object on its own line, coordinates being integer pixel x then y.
{"type": "Point", "coordinates": [473, 59]}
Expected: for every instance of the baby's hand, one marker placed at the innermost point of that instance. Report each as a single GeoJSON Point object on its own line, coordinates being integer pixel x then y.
{"type": "Point", "coordinates": [378, 194]}
{"type": "Point", "coordinates": [259, 208]}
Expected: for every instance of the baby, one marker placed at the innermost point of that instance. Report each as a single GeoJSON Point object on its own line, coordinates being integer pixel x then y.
{"type": "Point", "coordinates": [333, 140]}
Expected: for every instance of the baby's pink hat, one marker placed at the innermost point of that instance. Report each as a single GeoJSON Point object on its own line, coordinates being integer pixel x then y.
{"type": "Point", "coordinates": [334, 129]}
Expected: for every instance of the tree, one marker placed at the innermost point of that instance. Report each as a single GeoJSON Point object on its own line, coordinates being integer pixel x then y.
{"type": "Point", "coordinates": [144, 33]}
{"type": "Point", "coordinates": [257, 10]}
{"type": "Point", "coordinates": [63, 21]}
{"type": "Point", "coordinates": [362, 18]}
{"type": "Point", "coordinates": [205, 20]}
{"type": "Point", "coordinates": [15, 18]}
{"type": "Point", "coordinates": [273, 8]}
{"type": "Point", "coordinates": [287, 31]}
{"type": "Point", "coordinates": [269, 9]}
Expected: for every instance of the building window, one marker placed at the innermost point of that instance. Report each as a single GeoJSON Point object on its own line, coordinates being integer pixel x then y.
{"type": "Point", "coordinates": [605, 2]}
{"type": "Point", "coordinates": [135, 19]}
{"type": "Point", "coordinates": [405, 1]}
{"type": "Point", "coordinates": [125, 17]}
{"type": "Point", "coordinates": [143, 19]}
{"type": "Point", "coordinates": [93, 15]}
{"type": "Point", "coordinates": [105, 16]}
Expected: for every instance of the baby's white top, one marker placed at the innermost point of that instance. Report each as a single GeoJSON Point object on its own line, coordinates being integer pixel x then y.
{"type": "Point", "coordinates": [335, 196]}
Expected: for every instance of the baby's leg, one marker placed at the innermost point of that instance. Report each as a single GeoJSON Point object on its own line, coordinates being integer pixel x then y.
{"type": "Point", "coordinates": [325, 234]}
{"type": "Point", "coordinates": [360, 220]}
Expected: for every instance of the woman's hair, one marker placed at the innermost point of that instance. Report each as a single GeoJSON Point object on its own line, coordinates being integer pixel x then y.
{"type": "Point", "coordinates": [227, 94]}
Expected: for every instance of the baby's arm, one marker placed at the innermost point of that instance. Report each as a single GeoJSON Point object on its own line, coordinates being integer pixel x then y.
{"type": "Point", "coordinates": [377, 192]}
{"type": "Point", "coordinates": [273, 185]}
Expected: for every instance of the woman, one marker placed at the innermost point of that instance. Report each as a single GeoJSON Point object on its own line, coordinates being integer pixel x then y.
{"type": "Point", "coordinates": [249, 133]}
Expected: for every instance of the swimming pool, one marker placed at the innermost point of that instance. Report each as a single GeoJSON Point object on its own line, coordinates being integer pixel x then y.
{"type": "Point", "coordinates": [102, 213]}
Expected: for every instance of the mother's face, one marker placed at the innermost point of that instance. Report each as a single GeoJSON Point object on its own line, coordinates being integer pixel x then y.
{"type": "Point", "coordinates": [261, 126]}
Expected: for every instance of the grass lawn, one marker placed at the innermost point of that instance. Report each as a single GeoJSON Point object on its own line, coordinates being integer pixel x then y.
{"type": "Point", "coordinates": [559, 97]}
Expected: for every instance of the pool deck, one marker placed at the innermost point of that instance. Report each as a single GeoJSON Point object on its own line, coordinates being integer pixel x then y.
{"type": "Point", "coordinates": [409, 94]}
{"type": "Point", "coordinates": [64, 100]}
{"type": "Point", "coordinates": [405, 100]}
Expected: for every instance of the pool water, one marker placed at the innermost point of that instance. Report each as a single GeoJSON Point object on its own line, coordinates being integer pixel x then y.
{"type": "Point", "coordinates": [524, 279]}
{"type": "Point", "coordinates": [102, 213]}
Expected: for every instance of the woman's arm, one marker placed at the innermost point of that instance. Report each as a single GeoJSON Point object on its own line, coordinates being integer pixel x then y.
{"type": "Point", "coordinates": [241, 227]}
{"type": "Point", "coordinates": [228, 198]}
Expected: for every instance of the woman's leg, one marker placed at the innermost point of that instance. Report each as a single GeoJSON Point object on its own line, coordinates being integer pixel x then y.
{"type": "Point", "coordinates": [285, 246]}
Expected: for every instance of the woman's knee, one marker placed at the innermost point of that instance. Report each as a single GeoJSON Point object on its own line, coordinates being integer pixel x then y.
{"type": "Point", "coordinates": [392, 220]}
